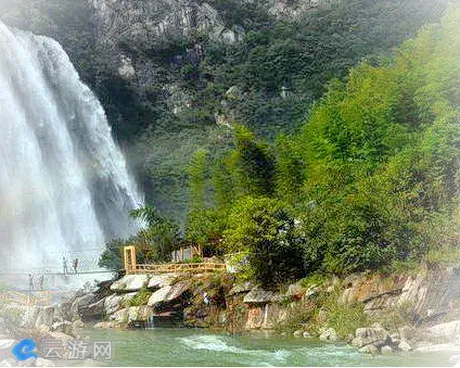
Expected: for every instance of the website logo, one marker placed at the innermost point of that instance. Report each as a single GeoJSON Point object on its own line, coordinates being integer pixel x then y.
{"type": "Point", "coordinates": [24, 350]}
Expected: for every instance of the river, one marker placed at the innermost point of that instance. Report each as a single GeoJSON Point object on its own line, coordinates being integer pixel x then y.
{"type": "Point", "coordinates": [193, 347]}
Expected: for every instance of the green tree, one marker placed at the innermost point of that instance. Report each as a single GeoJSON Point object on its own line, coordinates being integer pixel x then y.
{"type": "Point", "coordinates": [158, 236]}
{"type": "Point", "coordinates": [262, 227]}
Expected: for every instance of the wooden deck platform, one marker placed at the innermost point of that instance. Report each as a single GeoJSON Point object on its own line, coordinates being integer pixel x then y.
{"type": "Point", "coordinates": [158, 269]}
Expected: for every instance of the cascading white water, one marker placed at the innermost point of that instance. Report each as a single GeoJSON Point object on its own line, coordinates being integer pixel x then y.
{"type": "Point", "coordinates": [64, 184]}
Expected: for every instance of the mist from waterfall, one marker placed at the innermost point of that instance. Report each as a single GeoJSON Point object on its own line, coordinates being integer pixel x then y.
{"type": "Point", "coordinates": [64, 184]}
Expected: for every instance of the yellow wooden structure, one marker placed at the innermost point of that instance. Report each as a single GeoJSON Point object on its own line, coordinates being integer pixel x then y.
{"type": "Point", "coordinates": [131, 266]}
{"type": "Point", "coordinates": [28, 299]}
{"type": "Point", "coordinates": [180, 268]}
{"type": "Point", "coordinates": [130, 259]}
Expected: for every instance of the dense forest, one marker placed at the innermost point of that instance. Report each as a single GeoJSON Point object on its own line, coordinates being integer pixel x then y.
{"type": "Point", "coordinates": [266, 81]}
{"type": "Point", "coordinates": [370, 180]}
{"type": "Point", "coordinates": [190, 88]}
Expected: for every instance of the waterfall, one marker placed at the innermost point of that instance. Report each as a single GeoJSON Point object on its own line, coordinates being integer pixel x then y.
{"type": "Point", "coordinates": [64, 184]}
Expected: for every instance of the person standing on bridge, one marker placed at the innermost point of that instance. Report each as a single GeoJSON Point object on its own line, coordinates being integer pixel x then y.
{"type": "Point", "coordinates": [41, 281]}
{"type": "Point", "coordinates": [75, 265]}
{"type": "Point", "coordinates": [64, 265]}
{"type": "Point", "coordinates": [31, 282]}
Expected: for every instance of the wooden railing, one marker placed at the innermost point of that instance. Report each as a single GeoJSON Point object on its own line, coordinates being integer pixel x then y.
{"type": "Point", "coordinates": [177, 268]}
{"type": "Point", "coordinates": [28, 299]}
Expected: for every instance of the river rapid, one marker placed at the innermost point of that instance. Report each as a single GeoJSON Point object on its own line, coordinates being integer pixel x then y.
{"type": "Point", "coordinates": [195, 347]}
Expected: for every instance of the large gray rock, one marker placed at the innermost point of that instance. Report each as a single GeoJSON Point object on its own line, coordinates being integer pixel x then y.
{"type": "Point", "coordinates": [369, 349]}
{"type": "Point", "coordinates": [140, 313]}
{"type": "Point", "coordinates": [168, 294]}
{"type": "Point", "coordinates": [386, 349]}
{"type": "Point", "coordinates": [241, 288]}
{"type": "Point", "coordinates": [94, 310]}
{"type": "Point", "coordinates": [65, 327]}
{"type": "Point", "coordinates": [329, 335]}
{"type": "Point", "coordinates": [433, 292]}
{"type": "Point", "coordinates": [10, 362]}
{"type": "Point", "coordinates": [160, 281]}
{"type": "Point", "coordinates": [5, 348]}
{"type": "Point", "coordinates": [120, 316]}
{"type": "Point", "coordinates": [312, 292]}
{"type": "Point", "coordinates": [81, 303]}
{"type": "Point", "coordinates": [295, 291]}
{"type": "Point", "coordinates": [448, 330]}
{"type": "Point", "coordinates": [260, 296]}
{"type": "Point", "coordinates": [131, 314]}
{"type": "Point", "coordinates": [78, 324]}
{"type": "Point", "coordinates": [45, 317]}
{"type": "Point", "coordinates": [115, 302]}
{"type": "Point", "coordinates": [373, 335]}
{"type": "Point", "coordinates": [30, 316]}
{"type": "Point", "coordinates": [404, 346]}
{"type": "Point", "coordinates": [130, 283]}
{"type": "Point", "coordinates": [105, 325]}
{"type": "Point", "coordinates": [7, 344]}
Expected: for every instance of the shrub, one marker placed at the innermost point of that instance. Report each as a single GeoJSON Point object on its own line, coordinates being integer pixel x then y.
{"type": "Point", "coordinates": [141, 298]}
{"type": "Point", "coordinates": [263, 228]}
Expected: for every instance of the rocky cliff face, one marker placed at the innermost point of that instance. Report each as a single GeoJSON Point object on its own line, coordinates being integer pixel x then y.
{"type": "Point", "coordinates": [430, 299]}
{"type": "Point", "coordinates": [162, 68]}
{"type": "Point", "coordinates": [431, 294]}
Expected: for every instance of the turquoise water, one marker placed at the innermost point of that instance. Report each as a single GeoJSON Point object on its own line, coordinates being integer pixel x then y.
{"type": "Point", "coordinates": [190, 347]}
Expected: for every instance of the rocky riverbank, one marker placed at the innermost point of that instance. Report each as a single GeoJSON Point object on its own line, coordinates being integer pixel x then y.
{"type": "Point", "coordinates": [58, 325]}
{"type": "Point", "coordinates": [374, 313]}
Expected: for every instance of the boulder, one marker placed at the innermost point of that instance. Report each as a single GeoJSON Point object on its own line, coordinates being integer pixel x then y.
{"type": "Point", "coordinates": [30, 316]}
{"type": "Point", "coordinates": [115, 302]}
{"type": "Point", "coordinates": [55, 335]}
{"type": "Point", "coordinates": [312, 292]}
{"type": "Point", "coordinates": [429, 347]}
{"type": "Point", "coordinates": [329, 335]}
{"type": "Point", "coordinates": [58, 315]}
{"type": "Point", "coordinates": [78, 324]}
{"type": "Point", "coordinates": [120, 316]}
{"type": "Point", "coordinates": [94, 310]}
{"type": "Point", "coordinates": [5, 348]}
{"type": "Point", "coordinates": [10, 362]}
{"type": "Point", "coordinates": [65, 327]}
{"type": "Point", "coordinates": [131, 314]}
{"type": "Point", "coordinates": [260, 296]}
{"type": "Point", "coordinates": [295, 291]}
{"type": "Point", "coordinates": [159, 281]}
{"type": "Point", "coordinates": [105, 325]}
{"type": "Point", "coordinates": [297, 333]}
{"type": "Point", "coordinates": [404, 346]}
{"type": "Point", "coordinates": [446, 330]}
{"type": "Point", "coordinates": [369, 349]}
{"type": "Point", "coordinates": [81, 303]}
{"type": "Point", "coordinates": [140, 313]}
{"type": "Point", "coordinates": [307, 335]}
{"type": "Point", "coordinates": [130, 283]}
{"type": "Point", "coordinates": [45, 317]}
{"type": "Point", "coordinates": [373, 335]}
{"type": "Point", "coordinates": [168, 294]}
{"type": "Point", "coordinates": [386, 349]}
{"type": "Point", "coordinates": [241, 288]}
{"type": "Point", "coordinates": [84, 300]}
{"type": "Point", "coordinates": [395, 338]}
{"type": "Point", "coordinates": [406, 332]}
{"type": "Point", "coordinates": [7, 344]}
